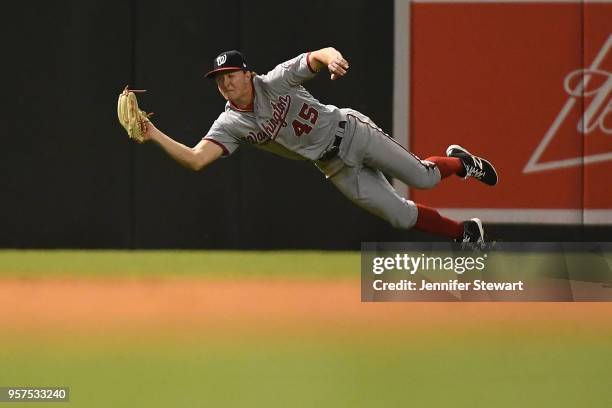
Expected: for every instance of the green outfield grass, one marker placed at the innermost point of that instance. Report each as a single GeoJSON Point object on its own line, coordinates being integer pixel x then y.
{"type": "Point", "coordinates": [265, 264]}
{"type": "Point", "coordinates": [572, 373]}
{"type": "Point", "coordinates": [211, 264]}
{"type": "Point", "coordinates": [508, 363]}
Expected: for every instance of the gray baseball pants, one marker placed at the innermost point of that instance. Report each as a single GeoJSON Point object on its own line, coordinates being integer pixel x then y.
{"type": "Point", "coordinates": [365, 153]}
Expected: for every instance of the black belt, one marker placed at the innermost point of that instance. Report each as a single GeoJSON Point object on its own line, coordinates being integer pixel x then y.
{"type": "Point", "coordinates": [333, 150]}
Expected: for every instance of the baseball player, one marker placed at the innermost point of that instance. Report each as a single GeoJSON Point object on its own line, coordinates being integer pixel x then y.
{"type": "Point", "coordinates": [275, 112]}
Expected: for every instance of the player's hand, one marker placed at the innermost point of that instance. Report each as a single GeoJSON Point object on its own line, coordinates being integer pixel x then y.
{"type": "Point", "coordinates": [131, 117]}
{"type": "Point", "coordinates": [149, 130]}
{"type": "Point", "coordinates": [338, 66]}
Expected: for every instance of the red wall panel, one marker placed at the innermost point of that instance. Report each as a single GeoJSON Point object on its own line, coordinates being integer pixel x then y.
{"type": "Point", "coordinates": [505, 81]}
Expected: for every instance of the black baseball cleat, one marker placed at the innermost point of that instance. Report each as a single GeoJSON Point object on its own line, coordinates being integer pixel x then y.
{"type": "Point", "coordinates": [473, 231]}
{"type": "Point", "coordinates": [475, 166]}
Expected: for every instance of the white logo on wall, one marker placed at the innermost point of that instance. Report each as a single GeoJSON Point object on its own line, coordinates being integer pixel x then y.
{"type": "Point", "coordinates": [221, 59]}
{"type": "Point", "coordinates": [594, 117]}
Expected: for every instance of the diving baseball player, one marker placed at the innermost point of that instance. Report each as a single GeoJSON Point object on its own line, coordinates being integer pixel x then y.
{"type": "Point", "coordinates": [276, 113]}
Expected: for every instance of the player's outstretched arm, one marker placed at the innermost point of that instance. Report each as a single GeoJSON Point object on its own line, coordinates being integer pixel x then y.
{"type": "Point", "coordinates": [332, 59]}
{"type": "Point", "coordinates": [196, 158]}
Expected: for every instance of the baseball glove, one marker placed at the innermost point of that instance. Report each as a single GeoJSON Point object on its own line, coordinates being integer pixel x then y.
{"type": "Point", "coordinates": [131, 118]}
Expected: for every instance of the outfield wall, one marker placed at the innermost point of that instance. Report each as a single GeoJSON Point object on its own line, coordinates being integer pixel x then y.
{"type": "Point", "coordinates": [70, 178]}
{"type": "Point", "coordinates": [506, 79]}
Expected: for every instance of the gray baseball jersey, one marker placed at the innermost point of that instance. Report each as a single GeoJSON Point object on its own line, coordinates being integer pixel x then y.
{"type": "Point", "coordinates": [290, 122]}
{"type": "Point", "coordinates": [286, 119]}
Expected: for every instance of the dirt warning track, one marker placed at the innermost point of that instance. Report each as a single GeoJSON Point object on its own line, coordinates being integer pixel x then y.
{"type": "Point", "coordinates": [122, 305]}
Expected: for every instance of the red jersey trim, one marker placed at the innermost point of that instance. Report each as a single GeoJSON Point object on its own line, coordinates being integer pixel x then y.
{"type": "Point", "coordinates": [248, 108]}
{"type": "Point", "coordinates": [225, 151]}
{"type": "Point", "coordinates": [308, 63]}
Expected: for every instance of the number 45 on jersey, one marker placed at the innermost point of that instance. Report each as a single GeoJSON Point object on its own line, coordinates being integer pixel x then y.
{"type": "Point", "coordinates": [310, 115]}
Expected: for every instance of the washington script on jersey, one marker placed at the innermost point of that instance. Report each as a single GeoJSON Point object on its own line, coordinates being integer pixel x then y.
{"type": "Point", "coordinates": [256, 138]}
{"type": "Point", "coordinates": [279, 114]}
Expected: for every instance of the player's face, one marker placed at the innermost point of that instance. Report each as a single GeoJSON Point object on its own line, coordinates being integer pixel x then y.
{"type": "Point", "coordinates": [234, 85]}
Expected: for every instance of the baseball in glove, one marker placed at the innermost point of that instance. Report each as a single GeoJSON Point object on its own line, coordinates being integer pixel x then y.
{"type": "Point", "coordinates": [130, 116]}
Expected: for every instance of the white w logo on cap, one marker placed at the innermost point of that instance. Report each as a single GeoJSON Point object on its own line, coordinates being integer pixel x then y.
{"type": "Point", "coordinates": [221, 59]}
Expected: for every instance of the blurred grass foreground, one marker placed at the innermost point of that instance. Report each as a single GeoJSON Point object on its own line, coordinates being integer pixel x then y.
{"type": "Point", "coordinates": [286, 329]}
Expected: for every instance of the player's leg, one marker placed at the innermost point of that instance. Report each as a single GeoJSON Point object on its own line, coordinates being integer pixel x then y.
{"type": "Point", "coordinates": [386, 154]}
{"type": "Point", "coordinates": [369, 189]}
{"type": "Point", "coordinates": [473, 166]}
{"type": "Point", "coordinates": [431, 221]}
